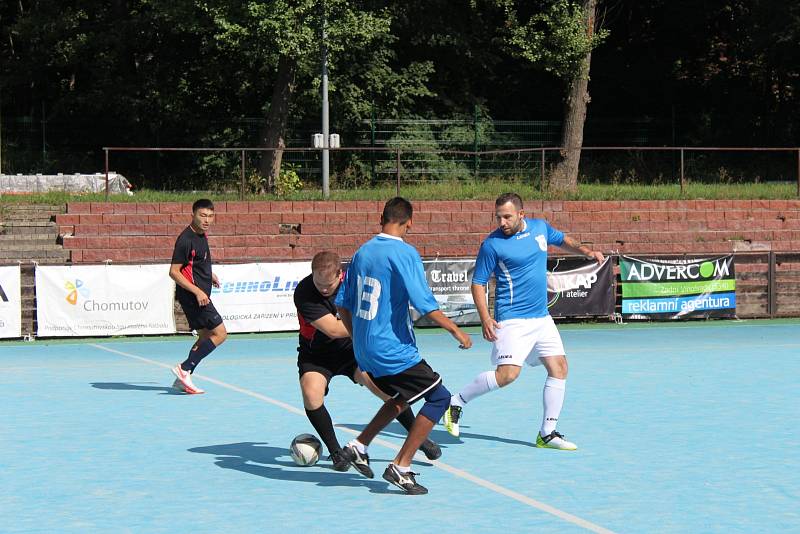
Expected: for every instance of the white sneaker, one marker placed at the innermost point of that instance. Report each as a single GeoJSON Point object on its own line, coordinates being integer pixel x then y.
{"type": "Point", "coordinates": [185, 381]}
{"type": "Point", "coordinates": [554, 440]}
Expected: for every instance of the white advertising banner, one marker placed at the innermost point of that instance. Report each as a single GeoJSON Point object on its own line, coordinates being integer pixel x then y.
{"type": "Point", "coordinates": [10, 302]}
{"type": "Point", "coordinates": [104, 300]}
{"type": "Point", "coordinates": [258, 297]}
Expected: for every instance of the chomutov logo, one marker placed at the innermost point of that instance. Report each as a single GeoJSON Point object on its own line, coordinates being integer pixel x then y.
{"type": "Point", "coordinates": [77, 290]}
{"type": "Point", "coordinates": [74, 289]}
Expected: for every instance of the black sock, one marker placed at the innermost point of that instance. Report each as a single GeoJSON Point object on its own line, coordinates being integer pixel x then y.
{"type": "Point", "coordinates": [406, 418]}
{"type": "Point", "coordinates": [322, 423]}
{"type": "Point", "coordinates": [200, 350]}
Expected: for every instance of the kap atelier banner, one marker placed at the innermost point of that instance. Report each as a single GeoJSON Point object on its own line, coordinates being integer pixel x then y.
{"type": "Point", "coordinates": [104, 300]}
{"type": "Point", "coordinates": [450, 282]}
{"type": "Point", "coordinates": [578, 287]}
{"type": "Point", "coordinates": [675, 289]}
{"type": "Point", "coordinates": [10, 302]}
{"type": "Point", "coordinates": [258, 297]}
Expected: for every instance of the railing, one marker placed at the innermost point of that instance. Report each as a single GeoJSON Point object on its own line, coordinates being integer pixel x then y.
{"type": "Point", "coordinates": [530, 162]}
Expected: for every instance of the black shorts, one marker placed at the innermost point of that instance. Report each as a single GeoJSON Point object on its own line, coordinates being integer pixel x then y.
{"type": "Point", "coordinates": [329, 365]}
{"type": "Point", "coordinates": [200, 317]}
{"type": "Point", "coordinates": [410, 385]}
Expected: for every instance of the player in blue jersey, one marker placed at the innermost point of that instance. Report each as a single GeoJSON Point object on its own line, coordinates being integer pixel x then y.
{"type": "Point", "coordinates": [385, 276]}
{"type": "Point", "coordinates": [522, 330]}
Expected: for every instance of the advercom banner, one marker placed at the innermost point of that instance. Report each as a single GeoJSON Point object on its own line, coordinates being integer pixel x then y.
{"type": "Point", "coordinates": [450, 282]}
{"type": "Point", "coordinates": [10, 302]}
{"type": "Point", "coordinates": [578, 287]}
{"type": "Point", "coordinates": [675, 289]}
{"type": "Point", "coordinates": [104, 300]}
{"type": "Point", "coordinates": [258, 297]}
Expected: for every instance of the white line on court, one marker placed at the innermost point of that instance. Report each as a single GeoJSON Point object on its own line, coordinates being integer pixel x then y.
{"type": "Point", "coordinates": [566, 516]}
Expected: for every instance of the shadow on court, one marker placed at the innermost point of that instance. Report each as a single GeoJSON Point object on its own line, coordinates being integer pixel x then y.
{"type": "Point", "coordinates": [442, 437]}
{"type": "Point", "coordinates": [126, 386]}
{"type": "Point", "coordinates": [264, 461]}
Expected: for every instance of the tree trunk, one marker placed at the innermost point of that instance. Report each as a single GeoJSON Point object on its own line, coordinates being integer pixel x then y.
{"type": "Point", "coordinates": [565, 175]}
{"type": "Point", "coordinates": [274, 129]}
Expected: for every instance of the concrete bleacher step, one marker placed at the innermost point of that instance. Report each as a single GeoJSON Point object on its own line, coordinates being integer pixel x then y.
{"type": "Point", "coordinates": [7, 240]}
{"type": "Point", "coordinates": [28, 227]}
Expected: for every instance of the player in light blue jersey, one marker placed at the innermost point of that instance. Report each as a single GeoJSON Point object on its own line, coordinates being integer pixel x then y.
{"type": "Point", "coordinates": [522, 330]}
{"type": "Point", "coordinates": [385, 276]}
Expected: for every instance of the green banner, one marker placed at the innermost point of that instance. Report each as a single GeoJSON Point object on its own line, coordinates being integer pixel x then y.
{"type": "Point", "coordinates": [654, 288]}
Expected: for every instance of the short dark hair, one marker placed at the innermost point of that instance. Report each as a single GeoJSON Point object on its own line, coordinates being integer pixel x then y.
{"type": "Point", "coordinates": [203, 203]}
{"type": "Point", "coordinates": [326, 262]}
{"type": "Point", "coordinates": [397, 210]}
{"type": "Point", "coordinates": [509, 197]}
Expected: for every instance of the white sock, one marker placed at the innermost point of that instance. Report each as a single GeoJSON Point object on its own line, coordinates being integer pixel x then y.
{"type": "Point", "coordinates": [402, 469]}
{"type": "Point", "coordinates": [483, 383]}
{"type": "Point", "coordinates": [360, 447]}
{"type": "Point", "coordinates": [553, 400]}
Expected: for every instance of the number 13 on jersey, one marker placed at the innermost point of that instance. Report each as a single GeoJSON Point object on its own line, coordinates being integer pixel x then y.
{"type": "Point", "coordinates": [369, 290]}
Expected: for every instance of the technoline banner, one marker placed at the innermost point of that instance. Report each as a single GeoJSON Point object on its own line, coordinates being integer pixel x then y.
{"type": "Point", "coordinates": [104, 300]}
{"type": "Point", "coordinates": [10, 302]}
{"type": "Point", "coordinates": [258, 297]}
{"type": "Point", "coordinates": [450, 282]}
{"type": "Point", "coordinates": [675, 289]}
{"type": "Point", "coordinates": [579, 287]}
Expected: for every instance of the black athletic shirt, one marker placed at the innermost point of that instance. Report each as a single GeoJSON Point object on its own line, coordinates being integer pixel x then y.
{"type": "Point", "coordinates": [192, 252]}
{"type": "Point", "coordinates": [311, 305]}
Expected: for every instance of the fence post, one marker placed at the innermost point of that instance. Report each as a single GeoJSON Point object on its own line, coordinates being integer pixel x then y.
{"type": "Point", "coordinates": [683, 180]}
{"type": "Point", "coordinates": [398, 171]}
{"type": "Point", "coordinates": [372, 142]}
{"type": "Point", "coordinates": [771, 293]}
{"type": "Point", "coordinates": [475, 161]}
{"type": "Point", "coordinates": [106, 151]}
{"type": "Point", "coordinates": [541, 171]}
{"type": "Point", "coordinates": [242, 186]}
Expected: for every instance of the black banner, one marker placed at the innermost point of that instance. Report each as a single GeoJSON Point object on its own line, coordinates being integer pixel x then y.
{"type": "Point", "coordinates": [578, 287]}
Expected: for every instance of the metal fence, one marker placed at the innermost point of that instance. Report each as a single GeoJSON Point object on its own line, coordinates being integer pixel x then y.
{"type": "Point", "coordinates": [356, 167]}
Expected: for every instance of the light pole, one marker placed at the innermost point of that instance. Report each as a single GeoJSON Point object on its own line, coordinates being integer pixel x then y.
{"type": "Point", "coordinates": [325, 127]}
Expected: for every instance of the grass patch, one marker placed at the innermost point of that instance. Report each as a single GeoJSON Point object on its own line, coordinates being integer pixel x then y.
{"type": "Point", "coordinates": [452, 190]}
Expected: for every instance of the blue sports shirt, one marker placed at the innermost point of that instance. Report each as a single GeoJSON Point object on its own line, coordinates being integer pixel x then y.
{"type": "Point", "coordinates": [386, 274]}
{"type": "Point", "coordinates": [519, 264]}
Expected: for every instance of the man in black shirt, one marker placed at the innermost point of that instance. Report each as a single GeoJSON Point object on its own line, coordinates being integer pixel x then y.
{"type": "Point", "coordinates": [191, 270]}
{"type": "Point", "coordinates": [326, 351]}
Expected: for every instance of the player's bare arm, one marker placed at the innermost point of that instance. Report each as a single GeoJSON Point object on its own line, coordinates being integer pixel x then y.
{"type": "Point", "coordinates": [464, 341]}
{"type": "Point", "coordinates": [570, 244]}
{"type": "Point", "coordinates": [487, 322]}
{"type": "Point", "coordinates": [175, 274]}
{"type": "Point", "coordinates": [347, 319]}
{"type": "Point", "coordinates": [331, 327]}
{"type": "Point", "coordinates": [214, 280]}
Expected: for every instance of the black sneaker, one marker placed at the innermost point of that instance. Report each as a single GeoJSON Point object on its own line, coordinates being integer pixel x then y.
{"type": "Point", "coordinates": [404, 481]}
{"type": "Point", "coordinates": [358, 460]}
{"type": "Point", "coordinates": [430, 449]}
{"type": "Point", "coordinates": [339, 462]}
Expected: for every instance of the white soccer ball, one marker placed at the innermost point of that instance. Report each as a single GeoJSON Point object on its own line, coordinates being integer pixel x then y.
{"type": "Point", "coordinates": [305, 449]}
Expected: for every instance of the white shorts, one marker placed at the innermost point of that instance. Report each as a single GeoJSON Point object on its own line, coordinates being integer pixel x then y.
{"type": "Point", "coordinates": [521, 341]}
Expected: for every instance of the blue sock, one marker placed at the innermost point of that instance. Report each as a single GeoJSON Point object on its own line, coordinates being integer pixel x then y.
{"type": "Point", "coordinates": [199, 351]}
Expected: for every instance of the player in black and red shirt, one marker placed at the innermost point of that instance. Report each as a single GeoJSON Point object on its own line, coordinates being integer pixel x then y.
{"type": "Point", "coordinates": [326, 351]}
{"type": "Point", "coordinates": [191, 270]}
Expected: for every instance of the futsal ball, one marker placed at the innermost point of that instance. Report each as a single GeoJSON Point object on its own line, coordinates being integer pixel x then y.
{"type": "Point", "coordinates": [305, 449]}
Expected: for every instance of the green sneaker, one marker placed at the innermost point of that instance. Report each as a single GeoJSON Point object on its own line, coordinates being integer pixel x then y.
{"type": "Point", "coordinates": [451, 418]}
{"type": "Point", "coordinates": [554, 440]}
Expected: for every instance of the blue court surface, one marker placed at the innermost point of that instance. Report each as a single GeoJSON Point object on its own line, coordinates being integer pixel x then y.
{"type": "Point", "coordinates": [680, 428]}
